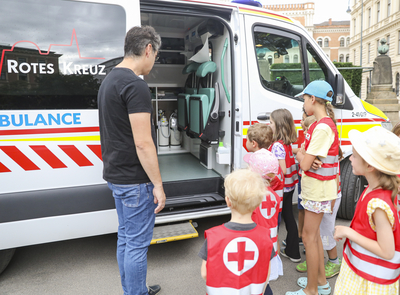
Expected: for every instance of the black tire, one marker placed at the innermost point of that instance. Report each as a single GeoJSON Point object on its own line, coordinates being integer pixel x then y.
{"type": "Point", "coordinates": [352, 188]}
{"type": "Point", "coordinates": [5, 258]}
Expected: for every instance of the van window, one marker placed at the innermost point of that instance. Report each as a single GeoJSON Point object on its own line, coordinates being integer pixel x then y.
{"type": "Point", "coordinates": [55, 54]}
{"type": "Point", "coordinates": [316, 67]}
{"type": "Point", "coordinates": [279, 65]}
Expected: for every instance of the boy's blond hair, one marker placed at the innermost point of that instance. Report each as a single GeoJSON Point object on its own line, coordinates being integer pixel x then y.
{"type": "Point", "coordinates": [260, 133]}
{"type": "Point", "coordinates": [309, 120]}
{"type": "Point", "coordinates": [245, 189]}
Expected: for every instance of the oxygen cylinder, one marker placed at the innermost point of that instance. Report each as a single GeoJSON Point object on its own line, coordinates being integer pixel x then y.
{"type": "Point", "coordinates": [163, 133]}
{"type": "Point", "coordinates": [175, 137]}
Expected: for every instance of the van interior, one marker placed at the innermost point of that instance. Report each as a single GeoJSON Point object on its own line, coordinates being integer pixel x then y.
{"type": "Point", "coordinates": [191, 86]}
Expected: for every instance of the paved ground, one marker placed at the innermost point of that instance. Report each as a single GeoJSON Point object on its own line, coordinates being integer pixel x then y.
{"type": "Point", "coordinates": [88, 266]}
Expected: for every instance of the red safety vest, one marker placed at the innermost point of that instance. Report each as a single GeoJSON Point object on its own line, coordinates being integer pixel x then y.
{"type": "Point", "coordinates": [237, 261]}
{"type": "Point", "coordinates": [267, 214]}
{"type": "Point", "coordinates": [364, 263]}
{"type": "Point", "coordinates": [329, 167]}
{"type": "Point", "coordinates": [291, 177]}
{"type": "Point", "coordinates": [277, 185]}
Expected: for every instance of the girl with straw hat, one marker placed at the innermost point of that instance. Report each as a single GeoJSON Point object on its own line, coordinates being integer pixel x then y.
{"type": "Point", "coordinates": [371, 253]}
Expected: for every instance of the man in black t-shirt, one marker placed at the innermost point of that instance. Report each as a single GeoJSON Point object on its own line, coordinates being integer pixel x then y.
{"type": "Point", "coordinates": [128, 146]}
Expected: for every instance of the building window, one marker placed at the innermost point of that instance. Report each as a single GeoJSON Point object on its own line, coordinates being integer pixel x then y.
{"type": "Point", "coordinates": [388, 7]}
{"type": "Point", "coordinates": [341, 42]}
{"type": "Point", "coordinates": [369, 17]}
{"type": "Point", "coordinates": [295, 58]}
{"type": "Point", "coordinates": [22, 76]}
{"type": "Point", "coordinates": [326, 42]}
{"type": "Point", "coordinates": [347, 41]}
{"type": "Point", "coordinates": [354, 25]}
{"type": "Point", "coordinates": [398, 45]}
{"type": "Point", "coordinates": [369, 55]}
{"type": "Point", "coordinates": [397, 84]}
{"type": "Point", "coordinates": [368, 85]}
{"type": "Point", "coordinates": [378, 12]}
{"type": "Point", "coordinates": [320, 42]}
{"type": "Point", "coordinates": [341, 58]}
{"type": "Point", "coordinates": [287, 59]}
{"type": "Point", "coordinates": [354, 57]}
{"type": "Point", "coordinates": [347, 57]}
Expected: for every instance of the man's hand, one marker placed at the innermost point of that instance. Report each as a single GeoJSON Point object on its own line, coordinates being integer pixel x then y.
{"type": "Point", "coordinates": [159, 198]}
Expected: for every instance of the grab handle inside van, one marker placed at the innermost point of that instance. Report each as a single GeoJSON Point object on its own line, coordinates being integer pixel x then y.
{"type": "Point", "coordinates": [222, 70]}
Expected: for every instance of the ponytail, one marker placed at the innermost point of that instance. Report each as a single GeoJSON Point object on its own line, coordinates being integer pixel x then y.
{"type": "Point", "coordinates": [329, 111]}
{"type": "Point", "coordinates": [328, 106]}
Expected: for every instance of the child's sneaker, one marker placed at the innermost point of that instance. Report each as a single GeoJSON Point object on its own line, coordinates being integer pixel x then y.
{"type": "Point", "coordinates": [332, 269]}
{"type": "Point", "coordinates": [302, 267]}
{"type": "Point", "coordinates": [283, 253]}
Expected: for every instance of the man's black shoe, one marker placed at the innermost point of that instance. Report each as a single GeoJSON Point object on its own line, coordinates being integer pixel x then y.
{"type": "Point", "coordinates": [155, 289]}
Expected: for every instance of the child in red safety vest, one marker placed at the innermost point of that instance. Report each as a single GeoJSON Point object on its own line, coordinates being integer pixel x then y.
{"type": "Point", "coordinates": [371, 253]}
{"type": "Point", "coordinates": [236, 255]}
{"type": "Point", "coordinates": [318, 182]}
{"type": "Point", "coordinates": [266, 214]}
{"type": "Point", "coordinates": [305, 122]}
{"type": "Point", "coordinates": [282, 125]}
{"type": "Point", "coordinates": [260, 136]}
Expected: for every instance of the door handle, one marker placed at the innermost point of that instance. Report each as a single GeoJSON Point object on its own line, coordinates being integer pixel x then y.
{"type": "Point", "coordinates": [264, 117]}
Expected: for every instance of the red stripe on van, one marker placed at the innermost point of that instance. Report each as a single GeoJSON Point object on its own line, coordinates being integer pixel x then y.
{"type": "Point", "coordinates": [76, 155]}
{"type": "Point", "coordinates": [14, 153]}
{"type": "Point", "coordinates": [96, 149]}
{"type": "Point", "coordinates": [49, 130]}
{"type": "Point", "coordinates": [48, 156]}
{"type": "Point", "coordinates": [3, 168]}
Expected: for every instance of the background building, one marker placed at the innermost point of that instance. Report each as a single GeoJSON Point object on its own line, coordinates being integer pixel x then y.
{"type": "Point", "coordinates": [372, 20]}
{"type": "Point", "coordinates": [332, 36]}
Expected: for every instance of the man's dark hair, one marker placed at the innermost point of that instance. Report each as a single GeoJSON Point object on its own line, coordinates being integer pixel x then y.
{"type": "Point", "coordinates": [138, 38]}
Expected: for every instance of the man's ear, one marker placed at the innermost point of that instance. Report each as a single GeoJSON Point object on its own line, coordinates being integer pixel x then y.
{"type": "Point", "coordinates": [148, 50]}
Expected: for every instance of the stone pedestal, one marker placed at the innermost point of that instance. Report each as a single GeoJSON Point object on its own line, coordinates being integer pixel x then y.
{"type": "Point", "coordinates": [383, 97]}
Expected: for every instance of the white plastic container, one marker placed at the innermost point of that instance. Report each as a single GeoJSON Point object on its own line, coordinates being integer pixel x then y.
{"type": "Point", "coordinates": [223, 154]}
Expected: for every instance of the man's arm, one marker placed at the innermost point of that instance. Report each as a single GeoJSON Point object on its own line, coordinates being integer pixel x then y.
{"type": "Point", "coordinates": [146, 151]}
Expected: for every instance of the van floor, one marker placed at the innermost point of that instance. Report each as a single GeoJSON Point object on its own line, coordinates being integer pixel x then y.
{"type": "Point", "coordinates": [178, 167]}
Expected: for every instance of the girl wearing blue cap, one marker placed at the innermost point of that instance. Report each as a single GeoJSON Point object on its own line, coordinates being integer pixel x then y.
{"type": "Point", "coordinates": [318, 184]}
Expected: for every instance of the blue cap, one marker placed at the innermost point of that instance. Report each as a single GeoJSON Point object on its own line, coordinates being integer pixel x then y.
{"type": "Point", "coordinates": [319, 89]}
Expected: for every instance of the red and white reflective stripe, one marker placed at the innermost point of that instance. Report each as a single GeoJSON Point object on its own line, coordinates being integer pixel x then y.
{"type": "Point", "coordinates": [373, 267]}
{"type": "Point", "coordinates": [48, 156]}
{"type": "Point", "coordinates": [291, 177]}
{"type": "Point", "coordinates": [253, 289]}
{"type": "Point", "coordinates": [274, 238]}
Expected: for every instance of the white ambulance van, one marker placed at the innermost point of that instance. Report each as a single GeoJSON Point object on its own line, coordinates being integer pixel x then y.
{"type": "Point", "coordinates": [219, 71]}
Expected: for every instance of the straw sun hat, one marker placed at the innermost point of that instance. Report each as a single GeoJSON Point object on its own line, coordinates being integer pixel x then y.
{"type": "Point", "coordinates": [379, 147]}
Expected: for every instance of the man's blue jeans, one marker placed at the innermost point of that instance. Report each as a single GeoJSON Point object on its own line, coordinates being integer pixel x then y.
{"type": "Point", "coordinates": [135, 208]}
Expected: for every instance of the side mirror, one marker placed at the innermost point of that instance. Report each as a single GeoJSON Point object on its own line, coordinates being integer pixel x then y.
{"type": "Point", "coordinates": [340, 93]}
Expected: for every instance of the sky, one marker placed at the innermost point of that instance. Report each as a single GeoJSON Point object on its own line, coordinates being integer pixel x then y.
{"type": "Point", "coordinates": [324, 9]}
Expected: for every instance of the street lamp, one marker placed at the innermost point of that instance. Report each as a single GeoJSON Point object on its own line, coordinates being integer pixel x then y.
{"type": "Point", "coordinates": [361, 32]}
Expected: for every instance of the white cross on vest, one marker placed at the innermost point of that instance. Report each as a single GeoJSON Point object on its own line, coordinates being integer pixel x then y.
{"type": "Point", "coordinates": [240, 255]}
{"type": "Point", "coordinates": [268, 206]}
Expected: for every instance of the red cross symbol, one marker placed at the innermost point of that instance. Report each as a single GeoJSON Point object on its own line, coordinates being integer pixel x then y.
{"type": "Point", "coordinates": [268, 204]}
{"type": "Point", "coordinates": [241, 255]}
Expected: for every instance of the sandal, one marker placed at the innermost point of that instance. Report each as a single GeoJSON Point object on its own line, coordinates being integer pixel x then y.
{"type": "Point", "coordinates": [322, 290]}
{"type": "Point", "coordinates": [300, 292]}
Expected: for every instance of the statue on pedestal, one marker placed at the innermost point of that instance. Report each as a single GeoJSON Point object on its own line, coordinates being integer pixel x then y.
{"type": "Point", "coordinates": [382, 73]}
